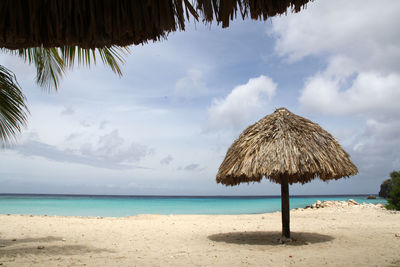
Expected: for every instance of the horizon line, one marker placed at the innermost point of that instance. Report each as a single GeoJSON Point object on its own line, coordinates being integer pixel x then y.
{"type": "Point", "coordinates": [176, 196]}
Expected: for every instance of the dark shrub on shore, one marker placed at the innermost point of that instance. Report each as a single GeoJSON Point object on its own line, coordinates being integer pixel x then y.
{"type": "Point", "coordinates": [394, 195]}
{"type": "Point", "coordinates": [386, 186]}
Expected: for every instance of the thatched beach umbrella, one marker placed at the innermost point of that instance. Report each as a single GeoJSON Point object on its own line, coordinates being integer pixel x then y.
{"type": "Point", "coordinates": [286, 149]}
{"type": "Point", "coordinates": [104, 23]}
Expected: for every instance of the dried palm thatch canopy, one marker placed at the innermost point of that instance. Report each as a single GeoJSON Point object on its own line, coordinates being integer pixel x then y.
{"type": "Point", "coordinates": [100, 23]}
{"type": "Point", "coordinates": [284, 144]}
{"type": "Point", "coordinates": [286, 149]}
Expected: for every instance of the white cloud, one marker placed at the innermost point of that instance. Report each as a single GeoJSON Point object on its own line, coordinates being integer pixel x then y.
{"type": "Point", "coordinates": [376, 149]}
{"type": "Point", "coordinates": [242, 105]}
{"type": "Point", "coordinates": [167, 160]}
{"type": "Point", "coordinates": [364, 30]}
{"type": "Point", "coordinates": [109, 151]}
{"type": "Point", "coordinates": [361, 48]}
{"type": "Point", "coordinates": [370, 93]}
{"type": "Point", "coordinates": [67, 111]}
{"type": "Point", "coordinates": [103, 124]}
{"type": "Point", "coordinates": [70, 138]}
{"type": "Point", "coordinates": [191, 167]}
{"type": "Point", "coordinates": [111, 147]}
{"type": "Point", "coordinates": [191, 85]}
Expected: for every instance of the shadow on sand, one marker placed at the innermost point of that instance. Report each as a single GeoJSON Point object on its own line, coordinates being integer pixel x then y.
{"type": "Point", "coordinates": [269, 238]}
{"type": "Point", "coordinates": [10, 242]}
{"type": "Point", "coordinates": [51, 246]}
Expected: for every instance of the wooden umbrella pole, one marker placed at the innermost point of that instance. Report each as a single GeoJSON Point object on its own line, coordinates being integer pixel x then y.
{"type": "Point", "coordinates": [285, 207]}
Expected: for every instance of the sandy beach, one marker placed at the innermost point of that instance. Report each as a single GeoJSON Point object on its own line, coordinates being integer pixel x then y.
{"type": "Point", "coordinates": [334, 236]}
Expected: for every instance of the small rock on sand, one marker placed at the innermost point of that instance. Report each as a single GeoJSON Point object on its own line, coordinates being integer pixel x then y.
{"type": "Point", "coordinates": [353, 202]}
{"type": "Point", "coordinates": [342, 204]}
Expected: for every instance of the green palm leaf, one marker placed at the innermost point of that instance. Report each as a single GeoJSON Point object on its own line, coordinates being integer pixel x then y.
{"type": "Point", "coordinates": [13, 111]}
{"type": "Point", "coordinates": [49, 65]}
{"type": "Point", "coordinates": [110, 56]}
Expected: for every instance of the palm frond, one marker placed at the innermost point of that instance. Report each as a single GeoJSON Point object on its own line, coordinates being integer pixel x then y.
{"type": "Point", "coordinates": [110, 56]}
{"type": "Point", "coordinates": [13, 110]}
{"type": "Point", "coordinates": [50, 67]}
{"type": "Point", "coordinates": [51, 63]}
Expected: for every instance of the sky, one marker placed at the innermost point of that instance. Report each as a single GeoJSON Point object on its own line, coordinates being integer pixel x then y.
{"type": "Point", "coordinates": [163, 128]}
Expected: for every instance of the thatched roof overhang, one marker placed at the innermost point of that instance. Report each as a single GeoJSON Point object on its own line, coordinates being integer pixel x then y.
{"type": "Point", "coordinates": [284, 145]}
{"type": "Point", "coordinates": [101, 23]}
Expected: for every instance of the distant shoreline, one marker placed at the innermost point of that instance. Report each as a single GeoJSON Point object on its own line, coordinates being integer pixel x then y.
{"type": "Point", "coordinates": [181, 196]}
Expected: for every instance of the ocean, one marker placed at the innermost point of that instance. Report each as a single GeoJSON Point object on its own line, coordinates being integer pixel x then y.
{"type": "Point", "coordinates": [121, 206]}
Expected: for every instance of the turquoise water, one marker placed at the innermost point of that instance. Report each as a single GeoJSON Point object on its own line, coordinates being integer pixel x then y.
{"type": "Point", "coordinates": [120, 206]}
